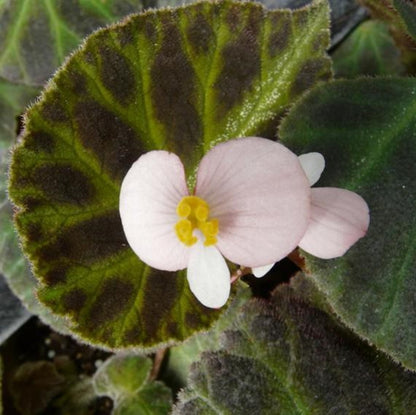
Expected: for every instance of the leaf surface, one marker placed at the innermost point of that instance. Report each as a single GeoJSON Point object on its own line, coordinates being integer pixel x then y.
{"type": "Point", "coordinates": [288, 356]}
{"type": "Point", "coordinates": [181, 80]}
{"type": "Point", "coordinates": [125, 379]}
{"type": "Point", "coordinates": [366, 130]}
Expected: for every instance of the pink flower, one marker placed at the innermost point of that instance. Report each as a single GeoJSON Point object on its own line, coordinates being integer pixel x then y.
{"type": "Point", "coordinates": [251, 204]}
{"type": "Point", "coordinates": [338, 217]}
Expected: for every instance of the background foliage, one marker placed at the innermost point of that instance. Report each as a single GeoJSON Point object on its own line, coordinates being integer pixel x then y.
{"type": "Point", "coordinates": [288, 356]}
{"type": "Point", "coordinates": [320, 343]}
{"type": "Point", "coordinates": [372, 287]}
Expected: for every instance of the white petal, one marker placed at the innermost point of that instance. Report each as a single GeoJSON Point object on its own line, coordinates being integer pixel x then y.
{"type": "Point", "coordinates": [208, 275]}
{"type": "Point", "coordinates": [149, 194]}
{"type": "Point", "coordinates": [313, 165]}
{"type": "Point", "coordinates": [261, 271]}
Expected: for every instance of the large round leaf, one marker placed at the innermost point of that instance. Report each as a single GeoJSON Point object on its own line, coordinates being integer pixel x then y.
{"type": "Point", "coordinates": [288, 356]}
{"type": "Point", "coordinates": [366, 129]}
{"type": "Point", "coordinates": [181, 80]}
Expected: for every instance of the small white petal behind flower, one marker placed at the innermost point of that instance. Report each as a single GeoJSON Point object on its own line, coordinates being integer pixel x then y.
{"type": "Point", "coordinates": [313, 165]}
{"type": "Point", "coordinates": [208, 275]}
{"type": "Point", "coordinates": [261, 271]}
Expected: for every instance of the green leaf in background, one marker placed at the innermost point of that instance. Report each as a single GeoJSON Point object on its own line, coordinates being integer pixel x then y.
{"type": "Point", "coordinates": [401, 17]}
{"type": "Point", "coordinates": [125, 379]}
{"type": "Point", "coordinates": [287, 356]}
{"type": "Point", "coordinates": [49, 387]}
{"type": "Point", "coordinates": [78, 398]}
{"type": "Point", "coordinates": [122, 375]}
{"type": "Point", "coordinates": [366, 129]}
{"type": "Point", "coordinates": [13, 100]}
{"type": "Point", "coordinates": [400, 13]}
{"type": "Point", "coordinates": [182, 80]}
{"type": "Point", "coordinates": [34, 385]}
{"type": "Point", "coordinates": [407, 11]}
{"type": "Point", "coordinates": [369, 50]}
{"type": "Point", "coordinates": [36, 35]}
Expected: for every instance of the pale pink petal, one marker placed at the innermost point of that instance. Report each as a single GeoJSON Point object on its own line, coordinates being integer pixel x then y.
{"type": "Point", "coordinates": [257, 190]}
{"type": "Point", "coordinates": [313, 165]}
{"type": "Point", "coordinates": [261, 271]}
{"type": "Point", "coordinates": [338, 219]}
{"type": "Point", "coordinates": [208, 275]}
{"type": "Point", "coordinates": [150, 192]}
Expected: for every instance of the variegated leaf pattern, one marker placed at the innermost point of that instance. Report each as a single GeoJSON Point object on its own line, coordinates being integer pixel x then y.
{"type": "Point", "coordinates": [177, 79]}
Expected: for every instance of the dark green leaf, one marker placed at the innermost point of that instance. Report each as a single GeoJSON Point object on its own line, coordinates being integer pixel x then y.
{"type": "Point", "coordinates": [366, 129]}
{"type": "Point", "coordinates": [182, 80]}
{"type": "Point", "coordinates": [287, 356]}
{"type": "Point", "coordinates": [125, 378]}
{"type": "Point", "coordinates": [369, 50]}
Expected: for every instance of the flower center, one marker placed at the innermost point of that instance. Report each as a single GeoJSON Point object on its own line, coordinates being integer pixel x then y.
{"type": "Point", "coordinates": [194, 212]}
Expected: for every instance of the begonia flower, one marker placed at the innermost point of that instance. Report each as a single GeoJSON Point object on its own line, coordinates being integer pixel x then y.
{"type": "Point", "coordinates": [251, 205]}
{"type": "Point", "coordinates": [338, 217]}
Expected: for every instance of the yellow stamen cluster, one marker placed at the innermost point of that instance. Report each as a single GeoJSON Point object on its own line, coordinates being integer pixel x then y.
{"type": "Point", "coordinates": [194, 212]}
